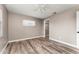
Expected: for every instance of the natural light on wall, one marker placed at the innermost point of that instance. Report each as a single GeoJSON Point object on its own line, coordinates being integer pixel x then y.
{"type": "Point", "coordinates": [1, 32]}
{"type": "Point", "coordinates": [28, 23]}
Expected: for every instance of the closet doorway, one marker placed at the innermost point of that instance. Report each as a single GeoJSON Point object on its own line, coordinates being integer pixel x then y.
{"type": "Point", "coordinates": [46, 28]}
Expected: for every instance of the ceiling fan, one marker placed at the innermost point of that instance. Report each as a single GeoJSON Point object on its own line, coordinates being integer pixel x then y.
{"type": "Point", "coordinates": [42, 8]}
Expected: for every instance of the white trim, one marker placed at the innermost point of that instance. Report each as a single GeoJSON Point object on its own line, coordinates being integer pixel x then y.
{"type": "Point", "coordinates": [4, 48]}
{"type": "Point", "coordinates": [17, 41]}
{"type": "Point", "coordinates": [24, 39]}
{"type": "Point", "coordinates": [64, 43]}
{"type": "Point", "coordinates": [44, 28]}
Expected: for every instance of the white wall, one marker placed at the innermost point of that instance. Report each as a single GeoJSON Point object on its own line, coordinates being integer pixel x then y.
{"type": "Point", "coordinates": [4, 38]}
{"type": "Point", "coordinates": [18, 31]}
{"type": "Point", "coordinates": [62, 27]}
{"type": "Point", "coordinates": [77, 18]}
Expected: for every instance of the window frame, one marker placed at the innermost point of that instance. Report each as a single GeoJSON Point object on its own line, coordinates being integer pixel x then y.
{"type": "Point", "coordinates": [28, 23]}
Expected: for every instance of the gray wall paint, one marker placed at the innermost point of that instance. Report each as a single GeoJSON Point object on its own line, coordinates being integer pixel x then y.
{"type": "Point", "coordinates": [18, 31]}
{"type": "Point", "coordinates": [63, 26]}
{"type": "Point", "coordinates": [4, 38]}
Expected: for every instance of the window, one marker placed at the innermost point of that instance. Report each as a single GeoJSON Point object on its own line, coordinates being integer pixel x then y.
{"type": "Point", "coordinates": [28, 23]}
{"type": "Point", "coordinates": [1, 32]}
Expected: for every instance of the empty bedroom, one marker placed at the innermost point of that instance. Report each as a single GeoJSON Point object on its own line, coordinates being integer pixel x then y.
{"type": "Point", "coordinates": [39, 28]}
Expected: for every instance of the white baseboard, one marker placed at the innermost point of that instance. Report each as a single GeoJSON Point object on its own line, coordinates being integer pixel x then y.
{"type": "Point", "coordinates": [64, 43]}
{"type": "Point", "coordinates": [24, 39]}
{"type": "Point", "coordinates": [17, 41]}
{"type": "Point", "coordinates": [4, 48]}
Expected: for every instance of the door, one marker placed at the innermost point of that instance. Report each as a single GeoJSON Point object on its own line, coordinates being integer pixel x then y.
{"type": "Point", "coordinates": [77, 27]}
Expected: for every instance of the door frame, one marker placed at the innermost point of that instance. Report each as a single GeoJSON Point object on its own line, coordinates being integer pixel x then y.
{"type": "Point", "coordinates": [44, 26]}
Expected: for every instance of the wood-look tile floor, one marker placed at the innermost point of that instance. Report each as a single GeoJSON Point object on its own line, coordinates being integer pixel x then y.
{"type": "Point", "coordinates": [39, 46]}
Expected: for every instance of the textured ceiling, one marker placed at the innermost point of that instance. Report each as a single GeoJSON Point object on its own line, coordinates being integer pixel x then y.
{"type": "Point", "coordinates": [38, 10]}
